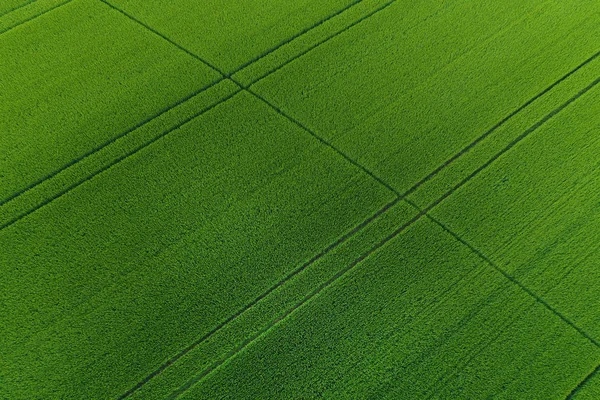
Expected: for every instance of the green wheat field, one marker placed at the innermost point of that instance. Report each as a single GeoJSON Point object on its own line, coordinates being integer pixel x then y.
{"type": "Point", "coordinates": [277, 199]}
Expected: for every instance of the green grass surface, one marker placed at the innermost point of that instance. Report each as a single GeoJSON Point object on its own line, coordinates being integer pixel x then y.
{"type": "Point", "coordinates": [27, 11]}
{"type": "Point", "coordinates": [399, 324]}
{"type": "Point", "coordinates": [302, 44]}
{"type": "Point", "coordinates": [65, 180]}
{"type": "Point", "coordinates": [590, 389]}
{"type": "Point", "coordinates": [8, 6]}
{"type": "Point", "coordinates": [255, 321]}
{"type": "Point", "coordinates": [75, 58]}
{"type": "Point", "coordinates": [233, 34]}
{"type": "Point", "coordinates": [427, 78]}
{"type": "Point", "coordinates": [297, 200]}
{"type": "Point", "coordinates": [539, 215]}
{"type": "Point", "coordinates": [154, 248]}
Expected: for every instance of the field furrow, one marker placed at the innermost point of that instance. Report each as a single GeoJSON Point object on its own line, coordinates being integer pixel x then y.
{"type": "Point", "coordinates": [372, 334]}
{"type": "Point", "coordinates": [536, 214]}
{"type": "Point", "coordinates": [162, 247]}
{"type": "Point", "coordinates": [234, 35]}
{"type": "Point", "coordinates": [267, 199]}
{"type": "Point", "coordinates": [402, 99]}
{"type": "Point", "coordinates": [9, 6]}
{"type": "Point", "coordinates": [28, 12]}
{"type": "Point", "coordinates": [274, 306]}
{"type": "Point", "coordinates": [588, 388]}
{"type": "Point", "coordinates": [119, 149]}
{"type": "Point", "coordinates": [481, 150]}
{"type": "Point", "coordinates": [101, 77]}
{"type": "Point", "coordinates": [295, 48]}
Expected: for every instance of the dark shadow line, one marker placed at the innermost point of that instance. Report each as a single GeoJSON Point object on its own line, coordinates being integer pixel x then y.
{"type": "Point", "coordinates": [35, 16]}
{"type": "Point", "coordinates": [514, 280]}
{"type": "Point", "coordinates": [324, 142]}
{"type": "Point", "coordinates": [197, 57]}
{"type": "Point", "coordinates": [112, 163]}
{"type": "Point", "coordinates": [471, 145]}
{"type": "Point", "coordinates": [277, 285]}
{"type": "Point", "coordinates": [295, 36]}
{"type": "Point", "coordinates": [288, 277]}
{"type": "Point", "coordinates": [17, 8]}
{"type": "Point", "coordinates": [306, 299]}
{"type": "Point", "coordinates": [321, 42]}
{"type": "Point", "coordinates": [513, 143]}
{"type": "Point", "coordinates": [322, 286]}
{"type": "Point", "coordinates": [581, 384]}
{"type": "Point", "coordinates": [105, 144]}
{"type": "Point", "coordinates": [423, 212]}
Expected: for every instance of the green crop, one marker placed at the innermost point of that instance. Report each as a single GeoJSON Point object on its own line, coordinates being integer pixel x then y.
{"type": "Point", "coordinates": [423, 317]}
{"type": "Point", "coordinates": [411, 86]}
{"type": "Point", "coordinates": [133, 265]}
{"type": "Point", "coordinates": [232, 34]}
{"type": "Point", "coordinates": [9, 6]}
{"type": "Point", "coordinates": [344, 199]}
{"type": "Point", "coordinates": [536, 213]}
{"type": "Point", "coordinates": [70, 85]}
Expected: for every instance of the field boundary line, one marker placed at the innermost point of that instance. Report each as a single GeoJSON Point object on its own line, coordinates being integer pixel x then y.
{"type": "Point", "coordinates": [271, 50]}
{"type": "Point", "coordinates": [116, 161]}
{"type": "Point", "coordinates": [33, 16]}
{"type": "Point", "coordinates": [180, 47]}
{"type": "Point", "coordinates": [511, 278]}
{"type": "Point", "coordinates": [498, 125]}
{"type": "Point", "coordinates": [474, 173]}
{"type": "Point", "coordinates": [207, 371]}
{"type": "Point", "coordinates": [407, 193]}
{"type": "Point", "coordinates": [277, 109]}
{"type": "Point", "coordinates": [295, 272]}
{"type": "Point", "coordinates": [358, 21]}
{"type": "Point", "coordinates": [329, 248]}
{"type": "Point", "coordinates": [17, 8]}
{"type": "Point", "coordinates": [295, 36]}
{"type": "Point", "coordinates": [253, 60]}
{"type": "Point", "coordinates": [480, 138]}
{"type": "Point", "coordinates": [582, 383]}
{"type": "Point", "coordinates": [123, 134]}
{"type": "Point", "coordinates": [288, 277]}
{"type": "Point", "coordinates": [513, 143]}
{"type": "Point", "coordinates": [107, 143]}
{"type": "Point", "coordinates": [317, 44]}
{"type": "Point", "coordinates": [524, 288]}
{"type": "Point", "coordinates": [342, 239]}
{"type": "Point", "coordinates": [399, 197]}
{"type": "Point", "coordinates": [422, 212]}
{"type": "Point", "coordinates": [323, 141]}
{"type": "Point", "coordinates": [395, 201]}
